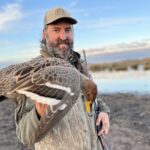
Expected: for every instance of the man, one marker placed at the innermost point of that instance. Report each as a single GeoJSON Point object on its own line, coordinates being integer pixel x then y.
{"type": "Point", "coordinates": [76, 130]}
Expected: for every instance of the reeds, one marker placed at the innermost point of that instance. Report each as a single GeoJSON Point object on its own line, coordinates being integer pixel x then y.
{"type": "Point", "coordinates": [122, 65]}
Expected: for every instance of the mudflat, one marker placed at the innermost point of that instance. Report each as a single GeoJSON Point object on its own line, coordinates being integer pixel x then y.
{"type": "Point", "coordinates": [130, 121]}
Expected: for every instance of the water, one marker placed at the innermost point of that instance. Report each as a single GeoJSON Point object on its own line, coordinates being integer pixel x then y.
{"type": "Point", "coordinates": [133, 82]}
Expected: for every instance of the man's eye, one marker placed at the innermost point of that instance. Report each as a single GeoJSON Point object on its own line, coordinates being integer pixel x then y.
{"type": "Point", "coordinates": [56, 30]}
{"type": "Point", "coordinates": [68, 30]}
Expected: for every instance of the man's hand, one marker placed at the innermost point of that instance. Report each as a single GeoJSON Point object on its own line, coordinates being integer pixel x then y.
{"type": "Point", "coordinates": [40, 108]}
{"type": "Point", "coordinates": [104, 119]}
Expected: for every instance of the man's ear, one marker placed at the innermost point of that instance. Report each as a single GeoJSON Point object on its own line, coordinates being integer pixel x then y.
{"type": "Point", "coordinates": [44, 33]}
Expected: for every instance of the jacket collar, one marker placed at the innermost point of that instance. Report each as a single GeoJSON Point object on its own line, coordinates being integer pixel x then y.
{"type": "Point", "coordinates": [73, 57]}
{"type": "Point", "coordinates": [45, 53]}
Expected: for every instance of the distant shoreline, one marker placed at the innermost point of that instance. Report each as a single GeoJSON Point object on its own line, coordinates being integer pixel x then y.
{"type": "Point", "coordinates": [136, 64]}
{"type": "Point", "coordinates": [119, 74]}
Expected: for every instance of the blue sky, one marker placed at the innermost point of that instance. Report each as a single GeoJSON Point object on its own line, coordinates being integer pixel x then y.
{"type": "Point", "coordinates": [101, 23]}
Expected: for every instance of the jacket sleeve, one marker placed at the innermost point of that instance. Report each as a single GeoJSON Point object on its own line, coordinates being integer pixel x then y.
{"type": "Point", "coordinates": [26, 119]}
{"type": "Point", "coordinates": [102, 107]}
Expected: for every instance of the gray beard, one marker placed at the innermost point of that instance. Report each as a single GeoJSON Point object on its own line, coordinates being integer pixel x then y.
{"type": "Point", "coordinates": [56, 51]}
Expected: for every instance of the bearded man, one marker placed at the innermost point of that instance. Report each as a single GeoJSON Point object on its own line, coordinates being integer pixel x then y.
{"type": "Point", "coordinates": [76, 130]}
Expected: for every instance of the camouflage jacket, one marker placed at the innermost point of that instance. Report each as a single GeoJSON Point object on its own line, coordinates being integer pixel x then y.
{"type": "Point", "coordinates": [75, 131]}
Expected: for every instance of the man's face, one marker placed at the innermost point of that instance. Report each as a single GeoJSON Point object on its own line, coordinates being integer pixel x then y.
{"type": "Point", "coordinates": [60, 37]}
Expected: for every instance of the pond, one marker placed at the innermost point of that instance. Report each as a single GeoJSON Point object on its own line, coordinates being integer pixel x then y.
{"type": "Point", "coordinates": [123, 82]}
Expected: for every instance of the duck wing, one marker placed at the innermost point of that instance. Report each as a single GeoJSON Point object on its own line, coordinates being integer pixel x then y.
{"type": "Point", "coordinates": [48, 81]}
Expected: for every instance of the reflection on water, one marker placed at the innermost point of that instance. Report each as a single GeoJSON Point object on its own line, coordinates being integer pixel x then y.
{"type": "Point", "coordinates": [123, 82]}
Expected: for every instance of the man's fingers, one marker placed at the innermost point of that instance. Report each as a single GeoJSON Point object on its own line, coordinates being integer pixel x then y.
{"type": "Point", "coordinates": [104, 129]}
{"type": "Point", "coordinates": [103, 120]}
{"type": "Point", "coordinates": [41, 108]}
{"type": "Point", "coordinates": [99, 118]}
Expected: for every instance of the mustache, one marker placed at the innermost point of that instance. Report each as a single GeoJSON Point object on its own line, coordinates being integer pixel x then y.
{"type": "Point", "coordinates": [63, 42]}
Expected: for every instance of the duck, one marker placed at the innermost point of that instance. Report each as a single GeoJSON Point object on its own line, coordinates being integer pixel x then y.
{"type": "Point", "coordinates": [51, 81]}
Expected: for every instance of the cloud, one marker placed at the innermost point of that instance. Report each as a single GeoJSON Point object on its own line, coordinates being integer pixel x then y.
{"type": "Point", "coordinates": [109, 22]}
{"type": "Point", "coordinates": [74, 3]}
{"type": "Point", "coordinates": [19, 52]}
{"type": "Point", "coordinates": [132, 46]}
{"type": "Point", "coordinates": [9, 14]}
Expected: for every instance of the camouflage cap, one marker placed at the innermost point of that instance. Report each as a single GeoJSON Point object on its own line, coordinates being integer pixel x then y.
{"type": "Point", "coordinates": [55, 14]}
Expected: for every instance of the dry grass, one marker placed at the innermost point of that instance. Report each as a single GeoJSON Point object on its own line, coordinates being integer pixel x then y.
{"type": "Point", "coordinates": [122, 65]}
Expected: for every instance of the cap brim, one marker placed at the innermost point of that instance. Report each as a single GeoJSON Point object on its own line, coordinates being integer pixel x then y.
{"type": "Point", "coordinates": [64, 19]}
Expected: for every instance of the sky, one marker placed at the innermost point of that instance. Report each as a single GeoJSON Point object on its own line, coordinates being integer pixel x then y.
{"type": "Point", "coordinates": [101, 23]}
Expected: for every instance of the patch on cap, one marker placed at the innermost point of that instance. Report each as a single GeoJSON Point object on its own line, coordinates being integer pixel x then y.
{"type": "Point", "coordinates": [60, 12]}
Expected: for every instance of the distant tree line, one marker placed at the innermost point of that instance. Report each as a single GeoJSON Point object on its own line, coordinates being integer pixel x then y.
{"type": "Point", "coordinates": [143, 64]}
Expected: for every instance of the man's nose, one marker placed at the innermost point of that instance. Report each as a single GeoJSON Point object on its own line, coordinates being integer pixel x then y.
{"type": "Point", "coordinates": [63, 35]}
